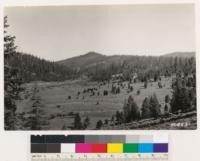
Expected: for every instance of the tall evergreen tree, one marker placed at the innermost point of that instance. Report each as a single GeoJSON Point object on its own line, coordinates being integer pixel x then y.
{"type": "Point", "coordinates": [155, 106]}
{"type": "Point", "coordinates": [131, 110]}
{"type": "Point", "coordinates": [145, 110]}
{"type": "Point", "coordinates": [77, 122]}
{"type": "Point", "coordinates": [182, 96]}
{"type": "Point", "coordinates": [86, 122]}
{"type": "Point", "coordinates": [99, 124]}
{"type": "Point", "coordinates": [12, 80]}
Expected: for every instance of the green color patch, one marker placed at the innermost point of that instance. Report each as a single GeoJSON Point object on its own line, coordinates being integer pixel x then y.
{"type": "Point", "coordinates": [130, 148]}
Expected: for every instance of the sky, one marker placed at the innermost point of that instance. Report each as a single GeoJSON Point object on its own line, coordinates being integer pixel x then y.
{"type": "Point", "coordinates": [60, 32]}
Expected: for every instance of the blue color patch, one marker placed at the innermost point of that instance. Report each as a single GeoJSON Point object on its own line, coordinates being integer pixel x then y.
{"type": "Point", "coordinates": [145, 148]}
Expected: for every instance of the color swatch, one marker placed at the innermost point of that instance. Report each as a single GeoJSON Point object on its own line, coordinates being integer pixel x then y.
{"type": "Point", "coordinates": [99, 144]}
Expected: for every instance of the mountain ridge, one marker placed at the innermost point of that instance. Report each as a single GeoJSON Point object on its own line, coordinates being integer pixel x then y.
{"type": "Point", "coordinates": [92, 58]}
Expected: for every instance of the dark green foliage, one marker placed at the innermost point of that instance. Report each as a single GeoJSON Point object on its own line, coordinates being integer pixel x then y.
{"type": "Point", "coordinates": [33, 68]}
{"type": "Point", "coordinates": [156, 77]}
{"type": "Point", "coordinates": [145, 84]}
{"type": "Point", "coordinates": [118, 90]}
{"type": "Point", "coordinates": [105, 92]}
{"type": "Point", "coordinates": [71, 114]}
{"type": "Point", "coordinates": [12, 80]}
{"type": "Point", "coordinates": [115, 90]}
{"type": "Point", "coordinates": [167, 99]}
{"type": "Point", "coordinates": [183, 96]}
{"type": "Point", "coordinates": [99, 124]}
{"type": "Point", "coordinates": [34, 121]}
{"type": "Point", "coordinates": [106, 122]}
{"type": "Point", "coordinates": [98, 73]}
{"type": "Point", "coordinates": [119, 117]}
{"type": "Point", "coordinates": [150, 107]}
{"type": "Point", "coordinates": [154, 106]}
{"type": "Point", "coordinates": [131, 110]}
{"type": "Point", "coordinates": [192, 97]}
{"type": "Point", "coordinates": [64, 127]}
{"type": "Point", "coordinates": [130, 87]}
{"type": "Point", "coordinates": [166, 108]}
{"type": "Point", "coordinates": [77, 122]}
{"type": "Point", "coordinates": [146, 67]}
{"type": "Point", "coordinates": [9, 42]}
{"type": "Point", "coordinates": [180, 100]}
{"type": "Point", "coordinates": [159, 84]}
{"type": "Point", "coordinates": [9, 113]}
{"type": "Point", "coordinates": [86, 122]}
{"type": "Point", "coordinates": [145, 110]}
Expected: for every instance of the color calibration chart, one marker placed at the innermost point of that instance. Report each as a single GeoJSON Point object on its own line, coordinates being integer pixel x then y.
{"type": "Point", "coordinates": [99, 147]}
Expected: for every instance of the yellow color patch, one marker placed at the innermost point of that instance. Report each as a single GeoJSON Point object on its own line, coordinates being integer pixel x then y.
{"type": "Point", "coordinates": [115, 148]}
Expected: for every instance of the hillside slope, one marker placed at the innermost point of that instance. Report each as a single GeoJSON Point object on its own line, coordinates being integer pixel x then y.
{"type": "Point", "coordinates": [83, 60]}
{"type": "Point", "coordinates": [181, 54]}
{"type": "Point", "coordinates": [92, 59]}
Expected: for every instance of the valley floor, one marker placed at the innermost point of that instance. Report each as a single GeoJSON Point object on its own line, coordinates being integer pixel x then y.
{"type": "Point", "coordinates": [57, 102]}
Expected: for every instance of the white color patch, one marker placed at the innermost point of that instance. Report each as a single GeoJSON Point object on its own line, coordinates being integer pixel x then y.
{"type": "Point", "coordinates": [67, 148]}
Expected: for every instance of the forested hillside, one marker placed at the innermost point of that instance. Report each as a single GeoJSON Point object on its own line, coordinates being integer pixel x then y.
{"type": "Point", "coordinates": [83, 61]}
{"type": "Point", "coordinates": [100, 67]}
{"type": "Point", "coordinates": [33, 68]}
{"type": "Point", "coordinates": [145, 67]}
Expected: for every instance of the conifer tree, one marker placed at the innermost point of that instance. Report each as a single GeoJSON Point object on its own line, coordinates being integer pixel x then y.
{"type": "Point", "coordinates": [99, 124]}
{"type": "Point", "coordinates": [154, 106]}
{"type": "Point", "coordinates": [145, 110]}
{"type": "Point", "coordinates": [77, 122]}
{"type": "Point", "coordinates": [181, 98]}
{"type": "Point", "coordinates": [12, 80]}
{"type": "Point", "coordinates": [86, 122]}
{"type": "Point", "coordinates": [131, 110]}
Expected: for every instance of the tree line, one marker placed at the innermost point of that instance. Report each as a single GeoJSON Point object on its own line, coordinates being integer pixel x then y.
{"type": "Point", "coordinates": [33, 68]}
{"type": "Point", "coordinates": [146, 67]}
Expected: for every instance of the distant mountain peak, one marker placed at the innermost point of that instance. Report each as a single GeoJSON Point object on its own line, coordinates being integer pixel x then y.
{"type": "Point", "coordinates": [83, 60]}
{"type": "Point", "coordinates": [180, 54]}
{"type": "Point", "coordinates": [91, 53]}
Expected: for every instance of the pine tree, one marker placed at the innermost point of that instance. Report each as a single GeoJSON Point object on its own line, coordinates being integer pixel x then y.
{"type": "Point", "coordinates": [119, 117]}
{"type": "Point", "coordinates": [12, 80]}
{"type": "Point", "coordinates": [135, 113]}
{"type": "Point", "coordinates": [127, 109]}
{"type": "Point", "coordinates": [155, 106]}
{"type": "Point", "coordinates": [145, 110]}
{"type": "Point", "coordinates": [77, 122]}
{"type": "Point", "coordinates": [181, 98]}
{"type": "Point", "coordinates": [34, 121]}
{"type": "Point", "coordinates": [9, 42]}
{"type": "Point", "coordinates": [166, 108]}
{"type": "Point", "coordinates": [86, 122]}
{"type": "Point", "coordinates": [167, 99]}
{"type": "Point", "coordinates": [99, 124]}
{"type": "Point", "coordinates": [131, 110]}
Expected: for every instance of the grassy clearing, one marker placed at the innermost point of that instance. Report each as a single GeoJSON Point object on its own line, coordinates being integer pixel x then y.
{"type": "Point", "coordinates": [54, 100]}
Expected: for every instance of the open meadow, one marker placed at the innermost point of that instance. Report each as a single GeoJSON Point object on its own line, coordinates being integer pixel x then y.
{"type": "Point", "coordinates": [58, 109]}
